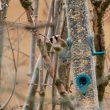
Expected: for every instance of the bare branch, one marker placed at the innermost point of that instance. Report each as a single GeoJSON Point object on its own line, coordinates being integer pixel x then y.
{"type": "Point", "coordinates": [48, 62]}
{"type": "Point", "coordinates": [25, 26]}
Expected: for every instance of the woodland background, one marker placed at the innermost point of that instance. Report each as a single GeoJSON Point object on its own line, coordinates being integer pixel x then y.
{"type": "Point", "coordinates": [24, 37]}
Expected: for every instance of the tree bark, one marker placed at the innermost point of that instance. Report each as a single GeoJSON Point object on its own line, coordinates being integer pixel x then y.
{"type": "Point", "coordinates": [99, 9]}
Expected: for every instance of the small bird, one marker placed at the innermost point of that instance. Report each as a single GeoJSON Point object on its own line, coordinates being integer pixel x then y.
{"type": "Point", "coordinates": [58, 44]}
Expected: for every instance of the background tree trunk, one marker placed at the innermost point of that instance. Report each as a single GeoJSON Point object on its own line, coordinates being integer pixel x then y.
{"type": "Point", "coordinates": [2, 18]}
{"type": "Point", "coordinates": [99, 8]}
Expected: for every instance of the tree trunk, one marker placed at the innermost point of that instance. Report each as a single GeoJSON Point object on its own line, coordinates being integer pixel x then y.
{"type": "Point", "coordinates": [99, 8]}
{"type": "Point", "coordinates": [2, 18]}
{"type": "Point", "coordinates": [99, 46]}
{"type": "Point", "coordinates": [3, 12]}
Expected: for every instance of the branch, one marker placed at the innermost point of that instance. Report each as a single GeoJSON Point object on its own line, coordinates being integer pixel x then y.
{"type": "Point", "coordinates": [25, 26]}
{"type": "Point", "coordinates": [30, 98]}
{"type": "Point", "coordinates": [33, 40]}
{"type": "Point", "coordinates": [47, 61]}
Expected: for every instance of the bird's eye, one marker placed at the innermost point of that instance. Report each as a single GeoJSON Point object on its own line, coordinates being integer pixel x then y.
{"type": "Point", "coordinates": [51, 40]}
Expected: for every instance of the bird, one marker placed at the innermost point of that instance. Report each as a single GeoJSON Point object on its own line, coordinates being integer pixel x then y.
{"type": "Point", "coordinates": [60, 47]}
{"type": "Point", "coordinates": [58, 44]}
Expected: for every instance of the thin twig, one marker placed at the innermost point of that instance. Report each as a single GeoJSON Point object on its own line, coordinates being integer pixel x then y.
{"type": "Point", "coordinates": [16, 50]}
{"type": "Point", "coordinates": [25, 26]}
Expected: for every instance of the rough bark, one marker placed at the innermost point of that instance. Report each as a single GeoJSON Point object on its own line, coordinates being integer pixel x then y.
{"type": "Point", "coordinates": [99, 8]}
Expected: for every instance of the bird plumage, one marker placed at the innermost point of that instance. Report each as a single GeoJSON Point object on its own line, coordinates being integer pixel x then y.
{"type": "Point", "coordinates": [58, 44]}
